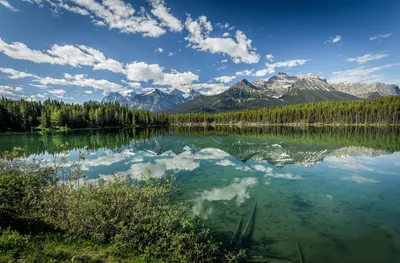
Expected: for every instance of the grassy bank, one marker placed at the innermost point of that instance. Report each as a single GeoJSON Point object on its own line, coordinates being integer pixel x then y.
{"type": "Point", "coordinates": [43, 219]}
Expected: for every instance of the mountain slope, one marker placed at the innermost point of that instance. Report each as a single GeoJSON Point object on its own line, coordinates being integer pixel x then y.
{"type": "Point", "coordinates": [368, 91]}
{"type": "Point", "coordinates": [312, 88]}
{"type": "Point", "coordinates": [155, 100]}
{"type": "Point", "coordinates": [246, 95]}
{"type": "Point", "coordinates": [242, 95]}
{"type": "Point", "coordinates": [277, 85]}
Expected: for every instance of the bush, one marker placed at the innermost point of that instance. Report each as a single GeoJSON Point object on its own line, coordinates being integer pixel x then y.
{"type": "Point", "coordinates": [13, 244]}
{"type": "Point", "coordinates": [126, 218]}
{"type": "Point", "coordinates": [131, 217]}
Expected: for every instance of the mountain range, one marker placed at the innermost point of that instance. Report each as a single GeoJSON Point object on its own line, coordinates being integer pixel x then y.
{"type": "Point", "coordinates": [155, 100]}
{"type": "Point", "coordinates": [279, 90]}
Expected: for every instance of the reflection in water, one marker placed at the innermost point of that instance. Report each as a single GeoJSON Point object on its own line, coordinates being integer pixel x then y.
{"type": "Point", "coordinates": [334, 191]}
{"type": "Point", "coordinates": [238, 190]}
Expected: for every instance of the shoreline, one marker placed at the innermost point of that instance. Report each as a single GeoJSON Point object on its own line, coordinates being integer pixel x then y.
{"type": "Point", "coordinates": [252, 124]}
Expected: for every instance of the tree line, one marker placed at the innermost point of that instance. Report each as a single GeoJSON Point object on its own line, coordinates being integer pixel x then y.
{"type": "Point", "coordinates": [385, 110]}
{"type": "Point", "coordinates": [23, 115]}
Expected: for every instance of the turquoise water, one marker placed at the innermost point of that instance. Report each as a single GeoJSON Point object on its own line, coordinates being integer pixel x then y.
{"type": "Point", "coordinates": [337, 192]}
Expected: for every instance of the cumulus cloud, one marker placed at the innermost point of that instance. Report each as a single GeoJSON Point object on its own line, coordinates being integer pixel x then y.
{"type": "Point", "coordinates": [6, 4]}
{"type": "Point", "coordinates": [71, 55]}
{"type": "Point", "coordinates": [80, 80]}
{"type": "Point", "coordinates": [81, 55]}
{"type": "Point", "coordinates": [225, 79]}
{"type": "Point", "coordinates": [361, 74]}
{"type": "Point", "coordinates": [381, 36]}
{"type": "Point", "coordinates": [333, 40]}
{"type": "Point", "coordinates": [116, 14]}
{"type": "Point", "coordinates": [239, 49]}
{"type": "Point", "coordinates": [367, 57]}
{"type": "Point", "coordinates": [270, 69]}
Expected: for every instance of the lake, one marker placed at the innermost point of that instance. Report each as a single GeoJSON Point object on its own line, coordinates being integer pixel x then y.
{"type": "Point", "coordinates": [334, 190]}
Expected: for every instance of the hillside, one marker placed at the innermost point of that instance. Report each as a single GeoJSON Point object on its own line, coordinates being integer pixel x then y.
{"type": "Point", "coordinates": [279, 90]}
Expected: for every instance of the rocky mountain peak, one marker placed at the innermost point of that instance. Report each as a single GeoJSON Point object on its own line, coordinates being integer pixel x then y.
{"type": "Point", "coordinates": [312, 76]}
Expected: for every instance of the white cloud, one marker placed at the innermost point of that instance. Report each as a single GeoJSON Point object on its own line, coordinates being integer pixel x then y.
{"type": "Point", "coordinates": [270, 57]}
{"type": "Point", "coordinates": [81, 55]}
{"type": "Point", "coordinates": [366, 58]}
{"type": "Point", "coordinates": [171, 54]}
{"type": "Point", "coordinates": [225, 79]}
{"type": "Point", "coordinates": [62, 55]}
{"type": "Point", "coordinates": [206, 88]}
{"type": "Point", "coordinates": [159, 49]}
{"type": "Point", "coordinates": [81, 81]}
{"type": "Point", "coordinates": [141, 71]}
{"type": "Point", "coordinates": [244, 72]}
{"type": "Point", "coordinates": [333, 40]}
{"type": "Point", "coordinates": [14, 74]}
{"type": "Point", "coordinates": [226, 34]}
{"type": "Point", "coordinates": [88, 91]}
{"type": "Point", "coordinates": [38, 96]}
{"type": "Point", "coordinates": [6, 4]}
{"type": "Point", "coordinates": [381, 36]}
{"type": "Point", "coordinates": [283, 64]}
{"type": "Point", "coordinates": [116, 14]}
{"type": "Point", "coordinates": [224, 61]}
{"type": "Point", "coordinates": [177, 79]}
{"type": "Point", "coordinates": [240, 50]}
{"type": "Point", "coordinates": [57, 91]}
{"type": "Point", "coordinates": [162, 12]}
{"type": "Point", "coordinates": [132, 84]}
{"type": "Point", "coordinates": [360, 74]}
{"type": "Point", "coordinates": [7, 91]}
{"type": "Point", "coordinates": [222, 25]}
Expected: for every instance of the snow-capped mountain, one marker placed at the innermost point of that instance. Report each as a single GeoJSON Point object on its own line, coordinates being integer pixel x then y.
{"type": "Point", "coordinates": [277, 85]}
{"type": "Point", "coordinates": [154, 100]}
{"type": "Point", "coordinates": [284, 90]}
{"type": "Point", "coordinates": [115, 97]}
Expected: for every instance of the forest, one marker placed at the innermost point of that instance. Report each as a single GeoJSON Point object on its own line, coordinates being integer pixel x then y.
{"type": "Point", "coordinates": [384, 110]}
{"type": "Point", "coordinates": [22, 115]}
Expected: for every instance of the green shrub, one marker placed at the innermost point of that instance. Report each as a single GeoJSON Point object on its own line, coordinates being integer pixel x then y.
{"type": "Point", "coordinates": [12, 243]}
{"type": "Point", "coordinates": [126, 218]}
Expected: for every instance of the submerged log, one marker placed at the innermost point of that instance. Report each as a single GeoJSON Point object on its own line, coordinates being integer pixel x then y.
{"type": "Point", "coordinates": [237, 233]}
{"type": "Point", "coordinates": [300, 253]}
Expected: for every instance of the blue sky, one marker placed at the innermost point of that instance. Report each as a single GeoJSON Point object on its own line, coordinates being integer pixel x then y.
{"type": "Point", "coordinates": [78, 50]}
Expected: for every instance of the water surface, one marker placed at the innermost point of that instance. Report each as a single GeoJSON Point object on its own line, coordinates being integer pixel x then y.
{"type": "Point", "coordinates": [336, 191]}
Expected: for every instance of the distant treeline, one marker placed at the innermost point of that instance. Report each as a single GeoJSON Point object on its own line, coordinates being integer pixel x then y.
{"type": "Point", "coordinates": [385, 110]}
{"type": "Point", "coordinates": [22, 115]}
{"type": "Point", "coordinates": [378, 138]}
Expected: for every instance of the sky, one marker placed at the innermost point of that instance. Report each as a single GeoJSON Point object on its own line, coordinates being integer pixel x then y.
{"type": "Point", "coordinates": [79, 50]}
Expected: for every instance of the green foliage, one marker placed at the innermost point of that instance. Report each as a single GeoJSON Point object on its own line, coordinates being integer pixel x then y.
{"type": "Point", "coordinates": [116, 219]}
{"type": "Point", "coordinates": [25, 115]}
{"type": "Point", "coordinates": [14, 244]}
{"type": "Point", "coordinates": [385, 110]}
